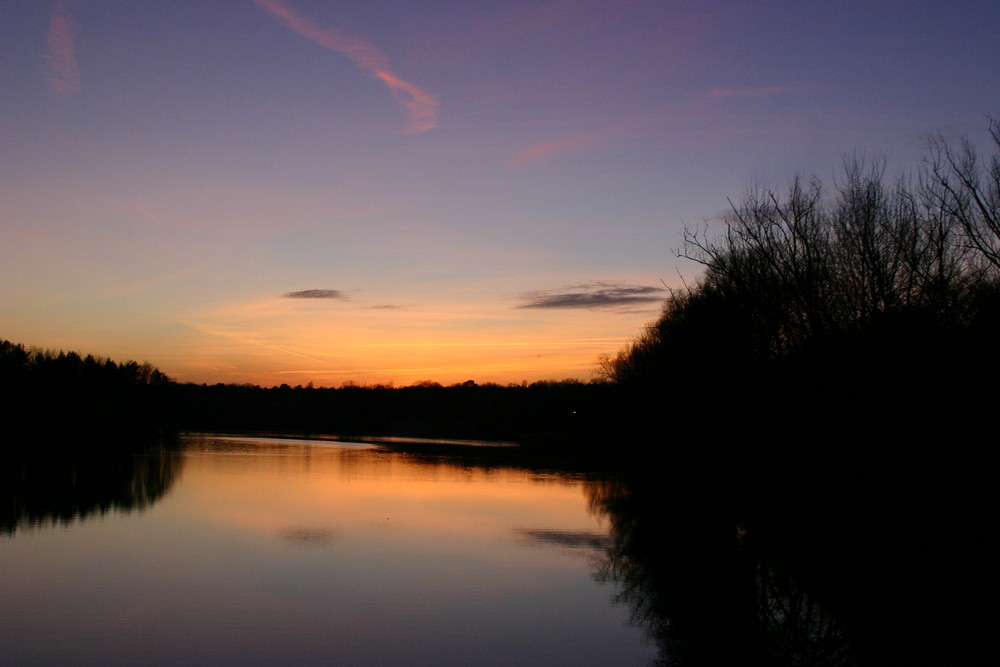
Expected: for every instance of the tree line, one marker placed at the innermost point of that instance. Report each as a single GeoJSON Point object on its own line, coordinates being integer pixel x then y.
{"type": "Point", "coordinates": [466, 410]}
{"type": "Point", "coordinates": [868, 298]}
{"type": "Point", "coordinates": [65, 397]}
{"type": "Point", "coordinates": [821, 407]}
{"type": "Point", "coordinates": [814, 266]}
{"type": "Point", "coordinates": [841, 342]}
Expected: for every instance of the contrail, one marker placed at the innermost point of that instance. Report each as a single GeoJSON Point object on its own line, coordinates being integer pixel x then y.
{"type": "Point", "coordinates": [64, 75]}
{"type": "Point", "coordinates": [548, 149]}
{"type": "Point", "coordinates": [142, 210]}
{"type": "Point", "coordinates": [421, 106]}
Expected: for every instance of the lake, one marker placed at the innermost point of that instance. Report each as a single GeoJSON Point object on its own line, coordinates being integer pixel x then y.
{"type": "Point", "coordinates": [225, 550]}
{"type": "Point", "coordinates": [235, 550]}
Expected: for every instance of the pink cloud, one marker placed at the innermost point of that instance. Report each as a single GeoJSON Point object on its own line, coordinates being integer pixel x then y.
{"type": "Point", "coordinates": [140, 209]}
{"type": "Point", "coordinates": [64, 74]}
{"type": "Point", "coordinates": [421, 106]}
{"type": "Point", "coordinates": [498, 28]}
{"type": "Point", "coordinates": [548, 149]}
{"type": "Point", "coordinates": [724, 93]}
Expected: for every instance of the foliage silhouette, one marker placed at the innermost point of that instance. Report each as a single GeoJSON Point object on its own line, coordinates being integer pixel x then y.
{"type": "Point", "coordinates": [825, 391]}
{"type": "Point", "coordinates": [536, 412]}
{"type": "Point", "coordinates": [68, 399]}
{"type": "Point", "coordinates": [853, 303]}
{"type": "Point", "coordinates": [39, 490]}
{"type": "Point", "coordinates": [716, 577]}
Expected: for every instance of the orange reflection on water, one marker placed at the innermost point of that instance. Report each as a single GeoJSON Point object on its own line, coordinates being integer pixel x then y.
{"type": "Point", "coordinates": [326, 490]}
{"type": "Point", "coordinates": [287, 553]}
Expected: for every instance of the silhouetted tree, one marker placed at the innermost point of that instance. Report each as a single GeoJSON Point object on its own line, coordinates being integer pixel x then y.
{"type": "Point", "coordinates": [49, 395]}
{"type": "Point", "coordinates": [964, 189]}
{"type": "Point", "coordinates": [789, 270]}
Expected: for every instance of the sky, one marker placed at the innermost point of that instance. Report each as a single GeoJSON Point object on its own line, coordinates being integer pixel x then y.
{"type": "Point", "coordinates": [295, 191]}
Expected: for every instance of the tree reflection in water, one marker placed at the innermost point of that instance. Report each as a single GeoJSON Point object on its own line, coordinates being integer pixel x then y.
{"type": "Point", "coordinates": [898, 572]}
{"type": "Point", "coordinates": [700, 587]}
{"type": "Point", "coordinates": [38, 491]}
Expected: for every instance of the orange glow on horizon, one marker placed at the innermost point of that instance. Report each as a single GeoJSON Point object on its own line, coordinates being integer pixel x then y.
{"type": "Point", "coordinates": [406, 363]}
{"type": "Point", "coordinates": [331, 343]}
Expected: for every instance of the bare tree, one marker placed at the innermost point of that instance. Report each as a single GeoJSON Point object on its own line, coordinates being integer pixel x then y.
{"type": "Point", "coordinates": [870, 261]}
{"type": "Point", "coordinates": [959, 185]}
{"type": "Point", "coordinates": [775, 254]}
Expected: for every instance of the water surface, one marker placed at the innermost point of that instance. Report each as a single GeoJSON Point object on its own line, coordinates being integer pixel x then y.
{"type": "Point", "coordinates": [262, 551]}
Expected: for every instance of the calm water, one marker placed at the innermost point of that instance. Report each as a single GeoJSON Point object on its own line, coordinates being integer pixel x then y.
{"type": "Point", "coordinates": [260, 551]}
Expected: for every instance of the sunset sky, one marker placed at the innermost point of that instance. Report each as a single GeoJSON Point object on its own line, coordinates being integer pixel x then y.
{"type": "Point", "coordinates": [286, 191]}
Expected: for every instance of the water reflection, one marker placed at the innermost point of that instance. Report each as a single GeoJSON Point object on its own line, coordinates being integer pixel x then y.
{"type": "Point", "coordinates": [290, 553]}
{"type": "Point", "coordinates": [702, 589]}
{"type": "Point", "coordinates": [721, 575]}
{"type": "Point", "coordinates": [569, 539]}
{"type": "Point", "coordinates": [39, 490]}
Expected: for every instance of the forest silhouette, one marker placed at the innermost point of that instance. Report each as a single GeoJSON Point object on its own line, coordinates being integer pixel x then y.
{"type": "Point", "coordinates": [860, 316]}
{"type": "Point", "coordinates": [843, 338]}
{"type": "Point", "coordinates": [822, 406]}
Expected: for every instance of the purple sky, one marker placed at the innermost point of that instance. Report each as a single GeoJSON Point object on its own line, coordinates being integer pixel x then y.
{"type": "Point", "coordinates": [289, 191]}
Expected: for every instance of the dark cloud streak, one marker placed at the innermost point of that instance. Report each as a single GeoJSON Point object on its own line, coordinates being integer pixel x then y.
{"type": "Point", "coordinates": [594, 295]}
{"type": "Point", "coordinates": [316, 294]}
{"type": "Point", "coordinates": [573, 539]}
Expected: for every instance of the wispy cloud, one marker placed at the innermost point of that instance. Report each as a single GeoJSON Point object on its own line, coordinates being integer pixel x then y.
{"type": "Point", "coordinates": [238, 336]}
{"type": "Point", "coordinates": [491, 30]}
{"type": "Point", "coordinates": [316, 294]}
{"type": "Point", "coordinates": [669, 115]}
{"type": "Point", "coordinates": [725, 93]}
{"type": "Point", "coordinates": [421, 106]}
{"type": "Point", "coordinates": [545, 150]}
{"type": "Point", "coordinates": [156, 282]}
{"type": "Point", "coordinates": [144, 211]}
{"type": "Point", "coordinates": [64, 74]}
{"type": "Point", "coordinates": [593, 295]}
